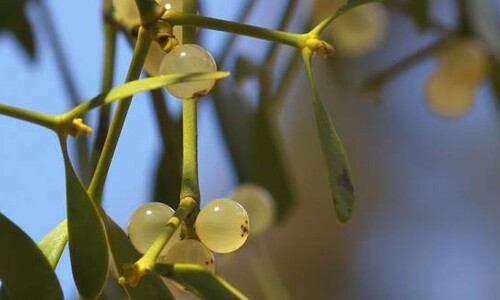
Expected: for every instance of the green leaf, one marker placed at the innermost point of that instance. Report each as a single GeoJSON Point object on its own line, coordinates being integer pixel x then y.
{"type": "Point", "coordinates": [133, 87]}
{"type": "Point", "coordinates": [200, 280]}
{"type": "Point", "coordinates": [235, 120]}
{"type": "Point", "coordinates": [52, 245]}
{"type": "Point", "coordinates": [150, 286]}
{"type": "Point", "coordinates": [339, 172]}
{"type": "Point", "coordinates": [168, 173]}
{"type": "Point", "coordinates": [268, 163]}
{"type": "Point", "coordinates": [167, 180]}
{"type": "Point", "coordinates": [244, 68]}
{"type": "Point", "coordinates": [88, 246]}
{"type": "Point", "coordinates": [13, 19]}
{"type": "Point", "coordinates": [255, 151]}
{"type": "Point", "coordinates": [24, 270]}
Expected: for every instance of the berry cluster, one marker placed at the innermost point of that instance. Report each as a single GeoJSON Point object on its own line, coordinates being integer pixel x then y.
{"type": "Point", "coordinates": [222, 226]}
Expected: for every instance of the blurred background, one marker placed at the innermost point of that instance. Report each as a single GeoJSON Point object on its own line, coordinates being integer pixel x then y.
{"type": "Point", "coordinates": [426, 217]}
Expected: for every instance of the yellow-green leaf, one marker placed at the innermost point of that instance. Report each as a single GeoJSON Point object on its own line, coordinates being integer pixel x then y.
{"type": "Point", "coordinates": [150, 286]}
{"type": "Point", "coordinates": [88, 247]}
{"type": "Point", "coordinates": [24, 270]}
{"type": "Point", "coordinates": [133, 87]}
{"type": "Point", "coordinates": [339, 171]}
{"type": "Point", "coordinates": [201, 281]}
{"type": "Point", "coordinates": [52, 245]}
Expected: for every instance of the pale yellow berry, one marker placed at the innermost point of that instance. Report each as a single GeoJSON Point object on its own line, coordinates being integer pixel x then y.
{"type": "Point", "coordinates": [222, 225]}
{"type": "Point", "coordinates": [147, 222]}
{"type": "Point", "coordinates": [359, 30]}
{"type": "Point", "coordinates": [465, 60]}
{"type": "Point", "coordinates": [188, 252]}
{"type": "Point", "coordinates": [447, 97]}
{"type": "Point", "coordinates": [153, 59]}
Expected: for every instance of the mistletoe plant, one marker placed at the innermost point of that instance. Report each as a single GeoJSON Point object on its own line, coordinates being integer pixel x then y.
{"type": "Point", "coordinates": [162, 242]}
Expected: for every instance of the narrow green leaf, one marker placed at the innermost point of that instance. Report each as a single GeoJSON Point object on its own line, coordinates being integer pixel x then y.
{"type": "Point", "coordinates": [133, 87]}
{"type": "Point", "coordinates": [21, 29]}
{"type": "Point", "coordinates": [244, 68]}
{"type": "Point", "coordinates": [167, 180]}
{"type": "Point", "coordinates": [13, 19]}
{"type": "Point", "coordinates": [339, 172]}
{"type": "Point", "coordinates": [24, 270]}
{"type": "Point", "coordinates": [268, 163]}
{"type": "Point", "coordinates": [255, 151]}
{"type": "Point", "coordinates": [201, 281]}
{"type": "Point", "coordinates": [235, 120]}
{"type": "Point", "coordinates": [88, 247]}
{"type": "Point", "coordinates": [52, 245]}
{"type": "Point", "coordinates": [150, 286]}
{"type": "Point", "coordinates": [151, 83]}
{"type": "Point", "coordinates": [168, 172]}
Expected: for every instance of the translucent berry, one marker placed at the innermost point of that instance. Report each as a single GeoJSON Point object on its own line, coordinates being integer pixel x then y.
{"type": "Point", "coordinates": [153, 59]}
{"type": "Point", "coordinates": [447, 97]}
{"type": "Point", "coordinates": [360, 30]}
{"type": "Point", "coordinates": [259, 205]}
{"type": "Point", "coordinates": [188, 252]}
{"type": "Point", "coordinates": [174, 5]}
{"type": "Point", "coordinates": [147, 222]}
{"type": "Point", "coordinates": [126, 12]}
{"type": "Point", "coordinates": [222, 225]}
{"type": "Point", "coordinates": [188, 58]}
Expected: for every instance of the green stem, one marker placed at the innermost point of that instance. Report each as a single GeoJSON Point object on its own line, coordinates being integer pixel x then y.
{"type": "Point", "coordinates": [265, 272]}
{"type": "Point", "coordinates": [189, 33]}
{"type": "Point", "coordinates": [189, 187]}
{"type": "Point", "coordinates": [106, 84]}
{"type": "Point", "coordinates": [104, 162]}
{"type": "Point", "coordinates": [376, 81]}
{"type": "Point", "coordinates": [48, 121]}
{"type": "Point", "coordinates": [187, 19]}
